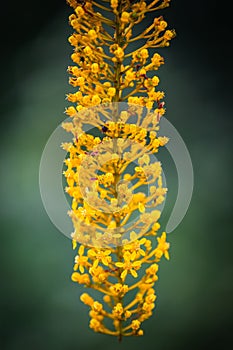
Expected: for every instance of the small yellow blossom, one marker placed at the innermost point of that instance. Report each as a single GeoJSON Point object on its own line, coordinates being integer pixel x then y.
{"type": "Point", "coordinates": [169, 34]}
{"type": "Point", "coordinates": [80, 260]}
{"type": "Point", "coordinates": [79, 11]}
{"type": "Point", "coordinates": [135, 324]}
{"type": "Point", "coordinates": [125, 17]}
{"type": "Point", "coordinates": [118, 310]}
{"type": "Point", "coordinates": [95, 68]}
{"type": "Point", "coordinates": [97, 307]}
{"type": "Point", "coordinates": [92, 34]}
{"type": "Point", "coordinates": [81, 279]}
{"type": "Point", "coordinates": [119, 53]}
{"type": "Point", "coordinates": [100, 256]}
{"type": "Point", "coordinates": [96, 100]}
{"type": "Point", "coordinates": [141, 207]}
{"type": "Point", "coordinates": [144, 53]}
{"type": "Point", "coordinates": [86, 299]}
{"type": "Point", "coordinates": [95, 324]}
{"type": "Point", "coordinates": [111, 91]}
{"type": "Point", "coordinates": [114, 3]}
{"type": "Point", "coordinates": [128, 266]}
{"type": "Point", "coordinates": [163, 246]}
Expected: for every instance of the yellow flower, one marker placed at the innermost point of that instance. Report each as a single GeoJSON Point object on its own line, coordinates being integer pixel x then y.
{"type": "Point", "coordinates": [97, 307]}
{"type": "Point", "coordinates": [135, 324]}
{"type": "Point", "coordinates": [71, 111]}
{"type": "Point", "coordinates": [79, 11]}
{"type": "Point", "coordinates": [86, 299]}
{"type": "Point", "coordinates": [163, 246]}
{"type": "Point", "coordinates": [98, 274]}
{"type": "Point", "coordinates": [155, 81]}
{"type": "Point", "coordinates": [96, 100]}
{"type": "Point", "coordinates": [80, 260]}
{"type": "Point", "coordinates": [111, 91]}
{"type": "Point", "coordinates": [81, 279]}
{"type": "Point", "coordinates": [157, 60]}
{"type": "Point", "coordinates": [95, 68]}
{"type": "Point", "coordinates": [95, 324]}
{"type": "Point", "coordinates": [114, 4]}
{"type": "Point", "coordinates": [128, 266]}
{"type": "Point", "coordinates": [87, 50]}
{"type": "Point", "coordinates": [141, 207]}
{"type": "Point", "coordinates": [125, 17]}
{"type": "Point", "coordinates": [92, 34]}
{"type": "Point", "coordinates": [144, 53]}
{"type": "Point", "coordinates": [118, 310]}
{"type": "Point", "coordinates": [136, 246]}
{"type": "Point", "coordinates": [100, 256]}
{"type": "Point", "coordinates": [119, 53]}
{"type": "Point", "coordinates": [119, 289]}
{"type": "Point", "coordinates": [168, 35]}
{"type": "Point", "coordinates": [162, 25]}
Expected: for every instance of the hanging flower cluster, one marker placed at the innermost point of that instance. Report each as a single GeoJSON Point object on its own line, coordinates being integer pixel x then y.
{"type": "Point", "coordinates": [115, 186]}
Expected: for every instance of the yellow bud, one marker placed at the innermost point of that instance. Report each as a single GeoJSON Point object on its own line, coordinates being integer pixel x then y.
{"type": "Point", "coordinates": [125, 17]}
{"type": "Point", "coordinates": [155, 80]}
{"type": "Point", "coordinates": [119, 53]}
{"type": "Point", "coordinates": [128, 314]}
{"type": "Point", "coordinates": [144, 53]}
{"type": "Point", "coordinates": [141, 207]}
{"type": "Point", "coordinates": [114, 4]}
{"type": "Point", "coordinates": [79, 11]}
{"type": "Point", "coordinates": [96, 99]}
{"type": "Point", "coordinates": [168, 35]}
{"type": "Point", "coordinates": [162, 25]}
{"type": "Point", "coordinates": [135, 324]}
{"type": "Point", "coordinates": [70, 111]}
{"type": "Point", "coordinates": [95, 68]}
{"type": "Point", "coordinates": [111, 91]}
{"type": "Point", "coordinates": [92, 34]}
{"type": "Point", "coordinates": [87, 50]}
{"type": "Point", "coordinates": [86, 299]}
{"type": "Point", "coordinates": [106, 299]}
{"type": "Point", "coordinates": [97, 306]}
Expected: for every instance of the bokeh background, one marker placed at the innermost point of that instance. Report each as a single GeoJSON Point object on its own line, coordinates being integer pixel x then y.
{"type": "Point", "coordinates": [39, 305]}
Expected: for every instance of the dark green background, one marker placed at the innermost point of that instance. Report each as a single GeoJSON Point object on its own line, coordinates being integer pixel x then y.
{"type": "Point", "coordinates": [39, 305]}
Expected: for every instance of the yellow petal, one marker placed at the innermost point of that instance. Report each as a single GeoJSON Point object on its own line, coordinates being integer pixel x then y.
{"type": "Point", "coordinates": [134, 273]}
{"type": "Point", "coordinates": [133, 255]}
{"type": "Point", "coordinates": [107, 252]}
{"type": "Point", "coordinates": [142, 252]}
{"type": "Point", "coordinates": [105, 261]}
{"type": "Point", "coordinates": [141, 207]}
{"type": "Point", "coordinates": [91, 253]}
{"type": "Point", "coordinates": [75, 277]}
{"type": "Point", "coordinates": [81, 250]}
{"type": "Point", "coordinates": [74, 244]}
{"type": "Point", "coordinates": [142, 241]}
{"type": "Point", "coordinates": [96, 263]}
{"type": "Point", "coordinates": [123, 274]}
{"type": "Point", "coordinates": [81, 268]}
{"type": "Point", "coordinates": [119, 264]}
{"type": "Point", "coordinates": [136, 264]}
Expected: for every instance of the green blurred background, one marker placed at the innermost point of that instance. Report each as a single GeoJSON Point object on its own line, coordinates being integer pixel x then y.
{"type": "Point", "coordinates": [39, 305]}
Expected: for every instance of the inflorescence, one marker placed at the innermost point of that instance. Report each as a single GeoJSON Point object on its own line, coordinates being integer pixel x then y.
{"type": "Point", "coordinates": [115, 186]}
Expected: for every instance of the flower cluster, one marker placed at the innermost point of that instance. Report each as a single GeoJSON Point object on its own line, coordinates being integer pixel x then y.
{"type": "Point", "coordinates": [110, 271]}
{"type": "Point", "coordinates": [115, 185]}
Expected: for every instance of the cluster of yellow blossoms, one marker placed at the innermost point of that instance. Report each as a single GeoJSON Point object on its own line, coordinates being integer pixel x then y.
{"type": "Point", "coordinates": [115, 186]}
